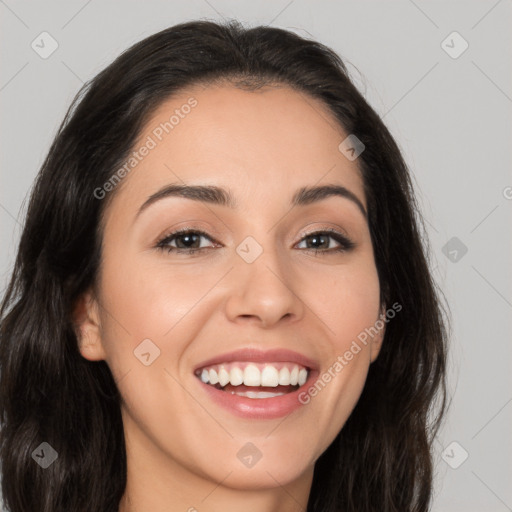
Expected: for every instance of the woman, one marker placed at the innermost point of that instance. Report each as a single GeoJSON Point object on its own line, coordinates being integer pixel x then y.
{"type": "Point", "coordinates": [221, 295]}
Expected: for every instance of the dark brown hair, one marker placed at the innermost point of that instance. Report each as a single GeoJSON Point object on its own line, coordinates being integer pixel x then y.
{"type": "Point", "coordinates": [381, 460]}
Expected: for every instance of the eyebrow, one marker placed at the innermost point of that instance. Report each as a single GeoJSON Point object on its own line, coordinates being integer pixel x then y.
{"type": "Point", "coordinates": [220, 196]}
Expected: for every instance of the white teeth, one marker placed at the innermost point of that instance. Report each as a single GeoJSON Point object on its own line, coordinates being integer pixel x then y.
{"type": "Point", "coordinates": [269, 377]}
{"type": "Point", "coordinates": [257, 394]}
{"type": "Point", "coordinates": [252, 376]}
{"type": "Point", "coordinates": [294, 376]}
{"type": "Point", "coordinates": [223, 377]}
{"type": "Point", "coordinates": [236, 376]}
{"type": "Point", "coordinates": [303, 376]}
{"type": "Point", "coordinates": [255, 374]}
{"type": "Point", "coordinates": [214, 378]}
{"type": "Point", "coordinates": [284, 377]}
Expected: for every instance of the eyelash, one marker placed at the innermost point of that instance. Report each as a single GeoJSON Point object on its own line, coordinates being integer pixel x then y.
{"type": "Point", "coordinates": [345, 243]}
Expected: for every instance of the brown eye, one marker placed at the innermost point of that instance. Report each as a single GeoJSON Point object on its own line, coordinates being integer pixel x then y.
{"type": "Point", "coordinates": [186, 240]}
{"type": "Point", "coordinates": [322, 241]}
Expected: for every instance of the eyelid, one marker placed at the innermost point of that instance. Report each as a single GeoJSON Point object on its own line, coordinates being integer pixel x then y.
{"type": "Point", "coordinates": [336, 231]}
{"type": "Point", "coordinates": [329, 228]}
{"type": "Point", "coordinates": [207, 231]}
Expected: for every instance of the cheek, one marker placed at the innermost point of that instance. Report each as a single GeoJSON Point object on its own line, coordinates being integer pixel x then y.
{"type": "Point", "coordinates": [148, 299]}
{"type": "Point", "coordinates": [153, 307]}
{"type": "Point", "coordinates": [348, 305]}
{"type": "Point", "coordinates": [347, 302]}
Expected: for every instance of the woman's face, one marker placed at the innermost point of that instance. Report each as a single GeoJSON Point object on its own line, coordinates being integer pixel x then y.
{"type": "Point", "coordinates": [253, 306]}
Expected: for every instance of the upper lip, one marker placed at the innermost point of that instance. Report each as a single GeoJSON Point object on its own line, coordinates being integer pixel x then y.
{"type": "Point", "coordinates": [260, 356]}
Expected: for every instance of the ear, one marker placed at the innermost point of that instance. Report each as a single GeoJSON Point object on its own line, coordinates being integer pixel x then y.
{"type": "Point", "coordinates": [378, 338]}
{"type": "Point", "coordinates": [86, 319]}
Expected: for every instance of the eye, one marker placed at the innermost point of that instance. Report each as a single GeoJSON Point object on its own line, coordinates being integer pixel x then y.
{"type": "Point", "coordinates": [188, 241]}
{"type": "Point", "coordinates": [184, 241]}
{"type": "Point", "coordinates": [321, 242]}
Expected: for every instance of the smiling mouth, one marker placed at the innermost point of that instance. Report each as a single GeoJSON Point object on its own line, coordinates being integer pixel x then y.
{"type": "Point", "coordinates": [255, 380]}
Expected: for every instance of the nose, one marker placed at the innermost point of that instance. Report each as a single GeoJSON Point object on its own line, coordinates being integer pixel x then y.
{"type": "Point", "coordinates": [263, 292]}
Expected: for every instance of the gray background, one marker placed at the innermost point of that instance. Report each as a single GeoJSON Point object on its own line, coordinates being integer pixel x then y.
{"type": "Point", "coordinates": [451, 117]}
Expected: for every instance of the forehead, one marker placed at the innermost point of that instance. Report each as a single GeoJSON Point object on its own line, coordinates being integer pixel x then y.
{"type": "Point", "coordinates": [271, 139]}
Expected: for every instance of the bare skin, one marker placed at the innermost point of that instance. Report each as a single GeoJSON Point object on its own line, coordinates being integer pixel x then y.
{"type": "Point", "coordinates": [263, 146]}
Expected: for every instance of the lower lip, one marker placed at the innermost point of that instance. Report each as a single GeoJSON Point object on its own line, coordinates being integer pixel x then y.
{"type": "Point", "coordinates": [259, 408]}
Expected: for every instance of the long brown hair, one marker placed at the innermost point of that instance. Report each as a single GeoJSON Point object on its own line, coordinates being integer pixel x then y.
{"type": "Point", "coordinates": [381, 460]}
